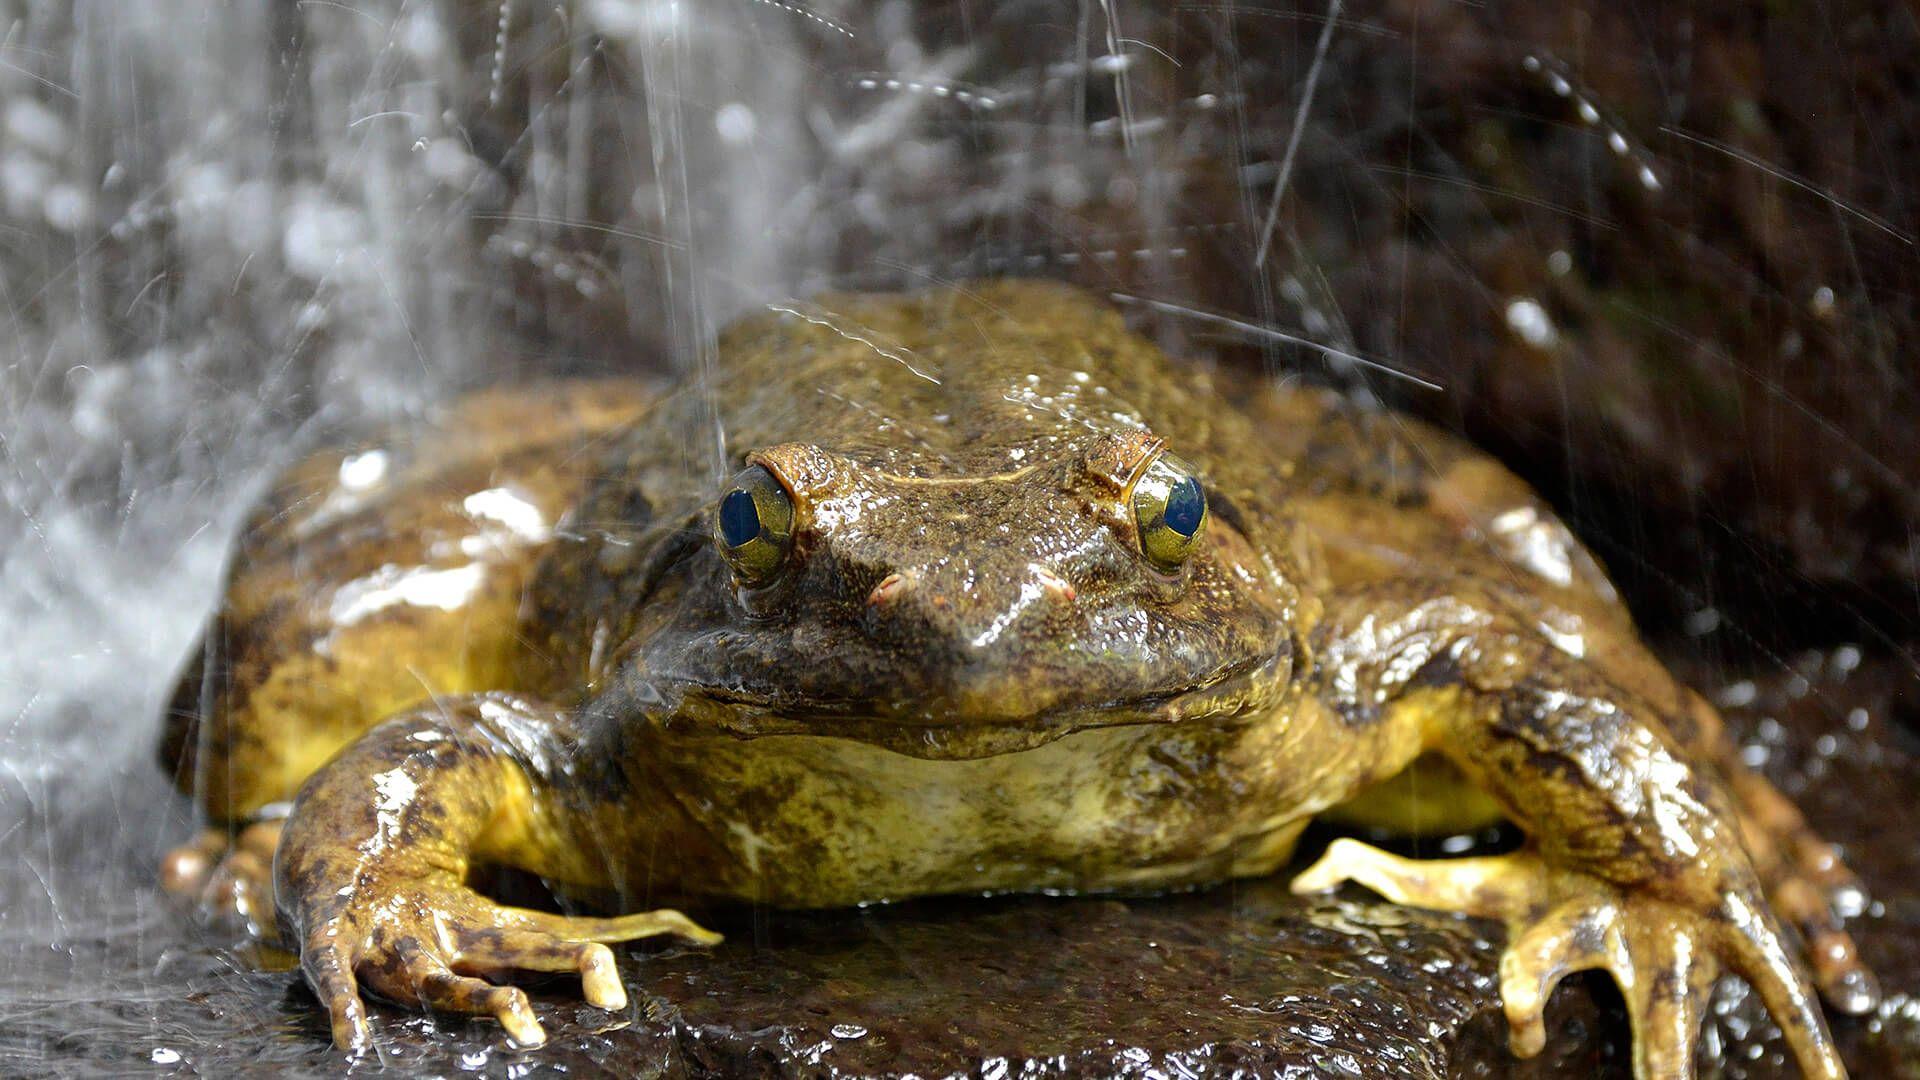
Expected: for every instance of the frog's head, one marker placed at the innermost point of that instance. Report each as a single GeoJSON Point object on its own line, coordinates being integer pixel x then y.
{"type": "Point", "coordinates": [962, 608]}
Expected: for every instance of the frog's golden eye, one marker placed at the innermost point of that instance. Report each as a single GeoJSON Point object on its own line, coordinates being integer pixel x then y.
{"type": "Point", "coordinates": [1171, 509]}
{"type": "Point", "coordinates": [754, 527]}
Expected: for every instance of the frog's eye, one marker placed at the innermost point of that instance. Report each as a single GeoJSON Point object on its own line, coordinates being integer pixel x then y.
{"type": "Point", "coordinates": [1171, 509]}
{"type": "Point", "coordinates": [754, 527]}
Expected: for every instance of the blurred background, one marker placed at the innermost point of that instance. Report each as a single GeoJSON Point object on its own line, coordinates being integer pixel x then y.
{"type": "Point", "coordinates": [1659, 257]}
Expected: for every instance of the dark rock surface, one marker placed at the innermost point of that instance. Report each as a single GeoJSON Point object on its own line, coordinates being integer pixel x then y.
{"type": "Point", "coordinates": [1241, 977]}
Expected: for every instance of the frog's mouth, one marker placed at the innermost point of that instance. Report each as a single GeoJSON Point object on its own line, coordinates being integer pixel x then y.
{"type": "Point", "coordinates": [1241, 692]}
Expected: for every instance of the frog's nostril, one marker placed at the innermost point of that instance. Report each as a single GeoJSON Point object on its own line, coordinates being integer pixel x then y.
{"type": "Point", "coordinates": [890, 588]}
{"type": "Point", "coordinates": [1053, 583]}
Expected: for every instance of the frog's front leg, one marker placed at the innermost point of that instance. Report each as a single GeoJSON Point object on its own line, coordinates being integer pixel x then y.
{"type": "Point", "coordinates": [1634, 861]}
{"type": "Point", "coordinates": [371, 872]}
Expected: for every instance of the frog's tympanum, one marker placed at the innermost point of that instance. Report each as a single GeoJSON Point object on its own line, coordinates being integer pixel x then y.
{"type": "Point", "coordinates": [954, 592]}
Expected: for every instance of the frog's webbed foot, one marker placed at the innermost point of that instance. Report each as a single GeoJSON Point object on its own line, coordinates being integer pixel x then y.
{"type": "Point", "coordinates": [371, 875]}
{"type": "Point", "coordinates": [231, 882]}
{"type": "Point", "coordinates": [445, 948]}
{"type": "Point", "coordinates": [1665, 955]}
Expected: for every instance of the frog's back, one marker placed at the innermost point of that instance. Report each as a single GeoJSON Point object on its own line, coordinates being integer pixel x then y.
{"type": "Point", "coordinates": [957, 379]}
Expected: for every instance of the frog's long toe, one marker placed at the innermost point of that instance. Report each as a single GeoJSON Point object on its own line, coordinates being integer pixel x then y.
{"type": "Point", "coordinates": [560, 943]}
{"type": "Point", "coordinates": [1843, 978]}
{"type": "Point", "coordinates": [599, 976]}
{"type": "Point", "coordinates": [411, 974]}
{"type": "Point", "coordinates": [438, 989]}
{"type": "Point", "coordinates": [1567, 939]}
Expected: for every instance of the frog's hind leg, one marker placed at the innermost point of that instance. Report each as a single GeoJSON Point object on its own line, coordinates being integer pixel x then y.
{"type": "Point", "coordinates": [230, 877]}
{"type": "Point", "coordinates": [1639, 859]}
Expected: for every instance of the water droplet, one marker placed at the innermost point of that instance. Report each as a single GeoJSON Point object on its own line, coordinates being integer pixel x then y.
{"type": "Point", "coordinates": [735, 123]}
{"type": "Point", "coordinates": [1737, 694]}
{"type": "Point", "coordinates": [1844, 660]}
{"type": "Point", "coordinates": [1529, 320]}
{"type": "Point", "coordinates": [1703, 622]}
{"type": "Point", "coordinates": [362, 471]}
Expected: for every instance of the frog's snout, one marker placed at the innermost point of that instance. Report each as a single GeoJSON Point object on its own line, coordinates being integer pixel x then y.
{"type": "Point", "coordinates": [978, 637]}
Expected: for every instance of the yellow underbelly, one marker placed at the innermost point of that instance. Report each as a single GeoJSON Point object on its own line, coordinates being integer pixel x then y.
{"type": "Point", "coordinates": [805, 821]}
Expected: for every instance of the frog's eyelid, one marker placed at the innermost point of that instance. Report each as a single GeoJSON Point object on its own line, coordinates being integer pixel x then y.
{"type": "Point", "coordinates": [1218, 505]}
{"type": "Point", "coordinates": [674, 548]}
{"type": "Point", "coordinates": [1154, 452]}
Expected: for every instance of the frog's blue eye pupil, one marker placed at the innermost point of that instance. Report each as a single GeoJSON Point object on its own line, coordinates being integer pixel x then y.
{"type": "Point", "coordinates": [1185, 507]}
{"type": "Point", "coordinates": [739, 518]}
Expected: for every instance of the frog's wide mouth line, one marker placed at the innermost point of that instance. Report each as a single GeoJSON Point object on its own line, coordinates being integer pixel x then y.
{"type": "Point", "coordinates": [1244, 689]}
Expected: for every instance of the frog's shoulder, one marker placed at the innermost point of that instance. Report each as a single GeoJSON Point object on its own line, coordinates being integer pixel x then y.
{"type": "Point", "coordinates": [1384, 495]}
{"type": "Point", "coordinates": [370, 574]}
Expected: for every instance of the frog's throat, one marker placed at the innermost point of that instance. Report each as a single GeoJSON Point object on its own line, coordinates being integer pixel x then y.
{"type": "Point", "coordinates": [1242, 693]}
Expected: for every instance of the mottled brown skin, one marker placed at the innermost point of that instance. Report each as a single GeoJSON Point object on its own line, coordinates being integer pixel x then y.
{"type": "Point", "coordinates": [965, 675]}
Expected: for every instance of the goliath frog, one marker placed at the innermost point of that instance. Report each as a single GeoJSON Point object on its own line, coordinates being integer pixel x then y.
{"type": "Point", "coordinates": [954, 592]}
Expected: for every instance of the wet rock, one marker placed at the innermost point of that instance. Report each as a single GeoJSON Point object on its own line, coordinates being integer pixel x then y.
{"type": "Point", "coordinates": [1238, 977]}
